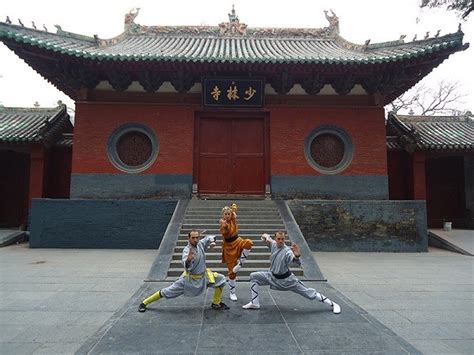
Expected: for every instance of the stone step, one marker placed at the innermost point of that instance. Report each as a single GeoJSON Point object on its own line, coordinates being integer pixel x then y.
{"type": "Point", "coordinates": [242, 231]}
{"type": "Point", "coordinates": [257, 242]}
{"type": "Point", "coordinates": [218, 249]}
{"type": "Point", "coordinates": [241, 203]}
{"type": "Point", "coordinates": [239, 214]}
{"type": "Point", "coordinates": [173, 273]}
{"type": "Point", "coordinates": [240, 221]}
{"type": "Point", "coordinates": [242, 226]}
{"type": "Point", "coordinates": [217, 256]}
{"type": "Point", "coordinates": [254, 234]}
{"type": "Point", "coordinates": [255, 238]}
{"type": "Point", "coordinates": [255, 263]}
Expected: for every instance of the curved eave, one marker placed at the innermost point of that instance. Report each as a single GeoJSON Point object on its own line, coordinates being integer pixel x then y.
{"type": "Point", "coordinates": [455, 44]}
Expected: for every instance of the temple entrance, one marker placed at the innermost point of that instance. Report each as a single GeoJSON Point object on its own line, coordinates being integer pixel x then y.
{"type": "Point", "coordinates": [231, 155]}
{"type": "Point", "coordinates": [445, 193]}
{"type": "Point", "coordinates": [14, 188]}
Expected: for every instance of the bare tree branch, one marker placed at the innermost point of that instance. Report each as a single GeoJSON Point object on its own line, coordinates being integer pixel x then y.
{"type": "Point", "coordinates": [445, 99]}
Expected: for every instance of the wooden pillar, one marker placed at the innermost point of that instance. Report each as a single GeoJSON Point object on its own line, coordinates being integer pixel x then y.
{"type": "Point", "coordinates": [37, 167]}
{"type": "Point", "coordinates": [419, 175]}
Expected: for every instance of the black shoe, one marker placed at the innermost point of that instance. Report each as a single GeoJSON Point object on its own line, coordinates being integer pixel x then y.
{"type": "Point", "coordinates": [219, 307]}
{"type": "Point", "coordinates": [142, 307]}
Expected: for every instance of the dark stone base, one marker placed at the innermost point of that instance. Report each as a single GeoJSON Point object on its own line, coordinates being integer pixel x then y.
{"type": "Point", "coordinates": [107, 224]}
{"type": "Point", "coordinates": [131, 186]}
{"type": "Point", "coordinates": [362, 225]}
{"type": "Point", "coordinates": [330, 187]}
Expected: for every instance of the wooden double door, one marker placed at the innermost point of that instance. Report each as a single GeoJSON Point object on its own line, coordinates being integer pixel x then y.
{"type": "Point", "coordinates": [231, 155]}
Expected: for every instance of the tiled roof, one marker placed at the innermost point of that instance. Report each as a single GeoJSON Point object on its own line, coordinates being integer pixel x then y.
{"type": "Point", "coordinates": [432, 132]}
{"type": "Point", "coordinates": [33, 125]}
{"type": "Point", "coordinates": [207, 44]}
{"type": "Point", "coordinates": [66, 140]}
{"type": "Point", "coordinates": [393, 144]}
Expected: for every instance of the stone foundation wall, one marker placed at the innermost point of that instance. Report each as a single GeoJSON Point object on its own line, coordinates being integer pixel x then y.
{"type": "Point", "coordinates": [362, 225]}
{"type": "Point", "coordinates": [107, 224]}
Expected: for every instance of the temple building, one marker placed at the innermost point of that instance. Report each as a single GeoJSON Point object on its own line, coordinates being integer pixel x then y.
{"type": "Point", "coordinates": [169, 112]}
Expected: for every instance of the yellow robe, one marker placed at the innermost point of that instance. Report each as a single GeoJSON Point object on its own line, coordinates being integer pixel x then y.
{"type": "Point", "coordinates": [231, 251]}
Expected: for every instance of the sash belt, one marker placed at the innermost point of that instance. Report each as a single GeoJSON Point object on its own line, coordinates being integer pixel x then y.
{"type": "Point", "coordinates": [231, 239]}
{"type": "Point", "coordinates": [282, 276]}
{"type": "Point", "coordinates": [211, 276]}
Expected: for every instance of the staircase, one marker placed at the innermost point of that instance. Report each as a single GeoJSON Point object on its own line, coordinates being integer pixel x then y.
{"type": "Point", "coordinates": [254, 218]}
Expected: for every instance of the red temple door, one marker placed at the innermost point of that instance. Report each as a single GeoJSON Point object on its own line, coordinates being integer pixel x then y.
{"type": "Point", "coordinates": [231, 155]}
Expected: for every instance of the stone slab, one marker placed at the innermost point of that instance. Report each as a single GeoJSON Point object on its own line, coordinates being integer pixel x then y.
{"type": "Point", "coordinates": [288, 323]}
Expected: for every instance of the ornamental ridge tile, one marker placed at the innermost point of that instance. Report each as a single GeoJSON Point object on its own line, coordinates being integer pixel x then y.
{"type": "Point", "coordinates": [221, 44]}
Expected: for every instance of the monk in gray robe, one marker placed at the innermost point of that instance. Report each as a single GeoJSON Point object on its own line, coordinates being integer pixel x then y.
{"type": "Point", "coordinates": [196, 277]}
{"type": "Point", "coordinates": [279, 277]}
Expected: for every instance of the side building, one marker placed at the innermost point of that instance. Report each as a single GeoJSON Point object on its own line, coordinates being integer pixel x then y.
{"type": "Point", "coordinates": [35, 159]}
{"type": "Point", "coordinates": [432, 158]}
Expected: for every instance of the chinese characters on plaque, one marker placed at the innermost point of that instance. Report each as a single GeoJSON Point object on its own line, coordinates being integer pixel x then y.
{"type": "Point", "coordinates": [232, 92]}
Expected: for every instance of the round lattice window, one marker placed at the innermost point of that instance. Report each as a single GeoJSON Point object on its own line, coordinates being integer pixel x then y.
{"type": "Point", "coordinates": [133, 148]}
{"type": "Point", "coordinates": [328, 149]}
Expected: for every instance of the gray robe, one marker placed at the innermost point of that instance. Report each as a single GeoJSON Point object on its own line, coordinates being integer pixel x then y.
{"type": "Point", "coordinates": [187, 285]}
{"type": "Point", "coordinates": [280, 261]}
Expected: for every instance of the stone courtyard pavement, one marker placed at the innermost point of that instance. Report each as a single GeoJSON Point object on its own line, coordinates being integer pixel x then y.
{"type": "Point", "coordinates": [66, 301]}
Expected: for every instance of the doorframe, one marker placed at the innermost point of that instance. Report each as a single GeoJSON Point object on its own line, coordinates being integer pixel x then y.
{"type": "Point", "coordinates": [265, 115]}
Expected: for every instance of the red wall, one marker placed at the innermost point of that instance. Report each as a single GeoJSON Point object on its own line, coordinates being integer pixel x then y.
{"type": "Point", "coordinates": [58, 172]}
{"type": "Point", "coordinates": [291, 126]}
{"type": "Point", "coordinates": [400, 181]}
{"type": "Point", "coordinates": [174, 126]}
{"type": "Point", "coordinates": [94, 123]}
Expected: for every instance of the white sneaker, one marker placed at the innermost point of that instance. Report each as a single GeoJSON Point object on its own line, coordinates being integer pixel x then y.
{"type": "Point", "coordinates": [336, 309]}
{"type": "Point", "coordinates": [251, 305]}
{"type": "Point", "coordinates": [233, 296]}
{"type": "Point", "coordinates": [237, 268]}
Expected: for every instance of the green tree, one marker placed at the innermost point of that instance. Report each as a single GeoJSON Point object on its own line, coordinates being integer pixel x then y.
{"type": "Point", "coordinates": [463, 7]}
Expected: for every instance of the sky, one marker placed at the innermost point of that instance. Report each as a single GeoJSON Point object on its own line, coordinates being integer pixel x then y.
{"type": "Point", "coordinates": [377, 20]}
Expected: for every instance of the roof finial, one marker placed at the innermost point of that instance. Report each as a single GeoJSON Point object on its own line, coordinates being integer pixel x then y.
{"type": "Point", "coordinates": [459, 27]}
{"type": "Point", "coordinates": [437, 34]}
{"type": "Point", "coordinates": [414, 38]}
{"type": "Point", "coordinates": [44, 28]}
{"type": "Point", "coordinates": [402, 37]}
{"type": "Point", "coordinates": [233, 27]}
{"type": "Point", "coordinates": [21, 23]}
{"type": "Point", "coordinates": [130, 16]}
{"type": "Point", "coordinates": [232, 16]}
{"type": "Point", "coordinates": [427, 35]}
{"type": "Point", "coordinates": [8, 20]}
{"type": "Point", "coordinates": [33, 24]}
{"type": "Point", "coordinates": [332, 19]}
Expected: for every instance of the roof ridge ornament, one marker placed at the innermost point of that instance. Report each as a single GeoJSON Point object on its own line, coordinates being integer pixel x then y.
{"type": "Point", "coordinates": [234, 26]}
{"type": "Point", "coordinates": [129, 21]}
{"type": "Point", "coordinates": [333, 20]}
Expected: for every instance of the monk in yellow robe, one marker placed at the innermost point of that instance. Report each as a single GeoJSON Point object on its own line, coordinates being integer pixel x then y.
{"type": "Point", "coordinates": [235, 250]}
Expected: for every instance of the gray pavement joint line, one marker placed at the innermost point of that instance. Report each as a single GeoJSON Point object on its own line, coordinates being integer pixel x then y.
{"type": "Point", "coordinates": [310, 266]}
{"type": "Point", "coordinates": [410, 349]}
{"type": "Point", "coordinates": [286, 323]}
{"type": "Point", "coordinates": [202, 321]}
{"type": "Point", "coordinates": [91, 343]}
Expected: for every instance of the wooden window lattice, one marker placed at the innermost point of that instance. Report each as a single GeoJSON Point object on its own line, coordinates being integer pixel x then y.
{"type": "Point", "coordinates": [327, 150]}
{"type": "Point", "coordinates": [134, 148]}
